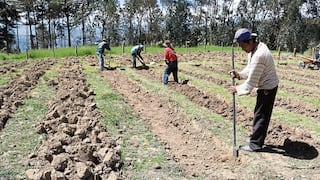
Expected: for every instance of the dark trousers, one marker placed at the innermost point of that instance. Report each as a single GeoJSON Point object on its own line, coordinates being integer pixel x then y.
{"type": "Point", "coordinates": [101, 61]}
{"type": "Point", "coordinates": [172, 67]}
{"type": "Point", "coordinates": [262, 115]}
{"type": "Point", "coordinates": [134, 61]}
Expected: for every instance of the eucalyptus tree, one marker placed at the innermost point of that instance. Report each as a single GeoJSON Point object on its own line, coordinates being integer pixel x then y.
{"type": "Point", "coordinates": [42, 34]}
{"type": "Point", "coordinates": [270, 16]}
{"type": "Point", "coordinates": [8, 16]}
{"type": "Point", "coordinates": [82, 18]}
{"type": "Point", "coordinates": [211, 20]}
{"type": "Point", "coordinates": [249, 13]}
{"type": "Point", "coordinates": [199, 22]}
{"type": "Point", "coordinates": [127, 23]}
{"type": "Point", "coordinates": [178, 22]}
{"type": "Point", "coordinates": [153, 20]}
{"type": "Point", "coordinates": [293, 25]}
{"type": "Point", "coordinates": [155, 25]}
{"type": "Point", "coordinates": [259, 17]}
{"type": "Point", "coordinates": [53, 13]}
{"type": "Point", "coordinates": [312, 14]}
{"type": "Point", "coordinates": [134, 13]}
{"type": "Point", "coordinates": [225, 23]}
{"type": "Point", "coordinates": [68, 9]}
{"type": "Point", "coordinates": [204, 22]}
{"type": "Point", "coordinates": [107, 19]}
{"type": "Point", "coordinates": [26, 7]}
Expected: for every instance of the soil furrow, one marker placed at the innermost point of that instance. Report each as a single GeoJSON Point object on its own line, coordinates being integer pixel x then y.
{"type": "Point", "coordinates": [76, 144]}
{"type": "Point", "coordinates": [12, 67]}
{"type": "Point", "coordinates": [241, 58]}
{"type": "Point", "coordinates": [298, 73]}
{"type": "Point", "coordinates": [290, 104]}
{"type": "Point", "coordinates": [15, 92]}
{"type": "Point", "coordinates": [192, 146]}
{"type": "Point", "coordinates": [294, 90]}
{"type": "Point", "coordinates": [287, 147]}
{"type": "Point", "coordinates": [278, 134]}
{"type": "Point", "coordinates": [303, 80]}
{"type": "Point", "coordinates": [297, 146]}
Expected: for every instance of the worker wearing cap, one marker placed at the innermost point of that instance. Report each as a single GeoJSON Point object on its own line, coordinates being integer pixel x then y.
{"type": "Point", "coordinates": [100, 51]}
{"type": "Point", "coordinates": [171, 61]}
{"type": "Point", "coordinates": [136, 54]}
{"type": "Point", "coordinates": [259, 73]}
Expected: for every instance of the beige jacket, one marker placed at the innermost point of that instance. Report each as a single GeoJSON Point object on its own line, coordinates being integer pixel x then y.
{"type": "Point", "coordinates": [260, 71]}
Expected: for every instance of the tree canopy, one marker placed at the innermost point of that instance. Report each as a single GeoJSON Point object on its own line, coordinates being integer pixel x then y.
{"type": "Point", "coordinates": [287, 24]}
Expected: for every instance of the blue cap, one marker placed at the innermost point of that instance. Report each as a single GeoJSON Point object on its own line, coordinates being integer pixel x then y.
{"type": "Point", "coordinates": [243, 34]}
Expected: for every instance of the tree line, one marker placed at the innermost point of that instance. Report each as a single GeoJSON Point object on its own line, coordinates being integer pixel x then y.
{"type": "Point", "coordinates": [287, 24]}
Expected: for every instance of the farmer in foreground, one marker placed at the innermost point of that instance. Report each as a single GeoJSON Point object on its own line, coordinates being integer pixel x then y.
{"type": "Point", "coordinates": [259, 73]}
{"type": "Point", "coordinates": [171, 60]}
{"type": "Point", "coordinates": [100, 51]}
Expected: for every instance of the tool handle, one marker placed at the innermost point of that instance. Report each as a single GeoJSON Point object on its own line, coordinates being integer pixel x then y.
{"type": "Point", "coordinates": [235, 150]}
{"type": "Point", "coordinates": [232, 64]}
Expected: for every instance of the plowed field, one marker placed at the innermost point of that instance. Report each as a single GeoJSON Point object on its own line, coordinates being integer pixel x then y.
{"type": "Point", "coordinates": [63, 119]}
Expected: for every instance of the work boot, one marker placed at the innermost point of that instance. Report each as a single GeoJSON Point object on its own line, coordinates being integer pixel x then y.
{"type": "Point", "coordinates": [246, 140]}
{"type": "Point", "coordinates": [248, 149]}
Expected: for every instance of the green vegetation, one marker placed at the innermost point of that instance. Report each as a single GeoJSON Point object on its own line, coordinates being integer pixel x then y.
{"type": "Point", "coordinates": [16, 56]}
{"type": "Point", "coordinates": [91, 50]}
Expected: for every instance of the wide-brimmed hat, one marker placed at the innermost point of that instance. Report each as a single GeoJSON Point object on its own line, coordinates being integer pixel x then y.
{"type": "Point", "coordinates": [244, 34]}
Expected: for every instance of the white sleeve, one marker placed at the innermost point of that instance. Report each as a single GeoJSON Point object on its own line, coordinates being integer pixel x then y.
{"type": "Point", "coordinates": [255, 70]}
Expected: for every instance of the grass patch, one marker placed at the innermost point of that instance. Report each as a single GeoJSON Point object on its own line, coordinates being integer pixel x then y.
{"type": "Point", "coordinates": [7, 77]}
{"type": "Point", "coordinates": [91, 50]}
{"type": "Point", "coordinates": [13, 56]}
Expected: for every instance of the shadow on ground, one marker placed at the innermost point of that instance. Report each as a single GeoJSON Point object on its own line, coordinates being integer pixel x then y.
{"type": "Point", "coordinates": [142, 67]}
{"type": "Point", "coordinates": [294, 149]}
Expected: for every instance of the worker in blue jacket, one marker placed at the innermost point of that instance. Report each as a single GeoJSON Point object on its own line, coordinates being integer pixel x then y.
{"type": "Point", "coordinates": [100, 51]}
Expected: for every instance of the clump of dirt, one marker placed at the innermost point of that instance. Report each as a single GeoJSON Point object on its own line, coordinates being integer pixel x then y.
{"type": "Point", "coordinates": [75, 145]}
{"type": "Point", "coordinates": [12, 66]}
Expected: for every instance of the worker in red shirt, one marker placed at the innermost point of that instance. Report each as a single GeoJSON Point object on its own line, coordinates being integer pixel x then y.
{"type": "Point", "coordinates": [171, 60]}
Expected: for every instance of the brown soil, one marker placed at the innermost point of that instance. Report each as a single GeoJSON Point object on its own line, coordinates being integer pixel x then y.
{"type": "Point", "coordinates": [196, 149]}
{"type": "Point", "coordinates": [15, 92]}
{"type": "Point", "coordinates": [78, 146]}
